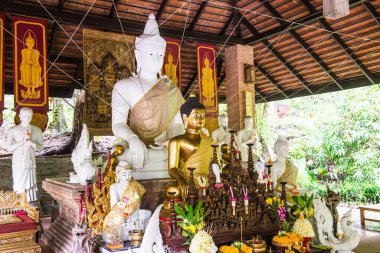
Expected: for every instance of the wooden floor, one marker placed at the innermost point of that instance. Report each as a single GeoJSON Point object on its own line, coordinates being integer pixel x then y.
{"type": "Point", "coordinates": [369, 243]}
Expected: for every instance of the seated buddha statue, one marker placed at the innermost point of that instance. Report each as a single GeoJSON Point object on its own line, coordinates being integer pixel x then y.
{"type": "Point", "coordinates": [125, 198]}
{"type": "Point", "coordinates": [145, 108]}
{"type": "Point", "coordinates": [221, 135]}
{"type": "Point", "coordinates": [283, 169]}
{"type": "Point", "coordinates": [191, 149]}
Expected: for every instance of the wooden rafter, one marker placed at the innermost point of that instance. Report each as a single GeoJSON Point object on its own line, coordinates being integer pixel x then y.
{"type": "Point", "coordinates": [277, 54]}
{"type": "Point", "coordinates": [236, 18]}
{"type": "Point", "coordinates": [375, 15]}
{"type": "Point", "coordinates": [197, 15]}
{"type": "Point", "coordinates": [348, 51]}
{"type": "Point", "coordinates": [113, 8]}
{"type": "Point", "coordinates": [227, 24]}
{"type": "Point", "coordinates": [161, 9]}
{"type": "Point", "coordinates": [190, 83]}
{"type": "Point", "coordinates": [293, 25]}
{"type": "Point", "coordinates": [131, 27]}
{"type": "Point", "coordinates": [305, 46]}
{"type": "Point", "coordinates": [271, 79]}
{"type": "Point", "coordinates": [60, 6]}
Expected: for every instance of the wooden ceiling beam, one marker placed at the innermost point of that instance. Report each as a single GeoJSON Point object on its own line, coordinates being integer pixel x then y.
{"type": "Point", "coordinates": [277, 54]}
{"type": "Point", "coordinates": [130, 27]}
{"type": "Point", "coordinates": [197, 15]}
{"type": "Point", "coordinates": [113, 9]}
{"type": "Point", "coordinates": [161, 9]}
{"type": "Point", "coordinates": [371, 10]}
{"type": "Point", "coordinates": [295, 24]}
{"type": "Point", "coordinates": [236, 18]}
{"type": "Point", "coordinates": [330, 87]}
{"type": "Point", "coordinates": [305, 46]}
{"type": "Point", "coordinates": [60, 6]}
{"type": "Point", "coordinates": [271, 79]}
{"type": "Point", "coordinates": [348, 51]}
{"type": "Point", "coordinates": [227, 24]}
{"type": "Point", "coordinates": [66, 59]}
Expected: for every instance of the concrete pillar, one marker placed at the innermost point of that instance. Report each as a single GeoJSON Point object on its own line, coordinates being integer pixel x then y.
{"type": "Point", "coordinates": [240, 95]}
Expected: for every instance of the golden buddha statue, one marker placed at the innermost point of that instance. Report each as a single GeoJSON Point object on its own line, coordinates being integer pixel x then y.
{"type": "Point", "coordinates": [208, 82]}
{"type": "Point", "coordinates": [171, 69]}
{"type": "Point", "coordinates": [30, 69]}
{"type": "Point", "coordinates": [191, 149]}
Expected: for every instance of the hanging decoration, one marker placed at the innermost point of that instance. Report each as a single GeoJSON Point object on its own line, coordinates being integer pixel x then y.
{"type": "Point", "coordinates": [108, 58]}
{"type": "Point", "coordinates": [30, 76]}
{"type": "Point", "coordinates": [2, 22]}
{"type": "Point", "coordinates": [172, 61]}
{"type": "Point", "coordinates": [334, 9]}
{"type": "Point", "coordinates": [208, 94]}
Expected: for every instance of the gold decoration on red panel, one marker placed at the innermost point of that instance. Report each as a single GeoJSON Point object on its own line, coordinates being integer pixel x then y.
{"type": "Point", "coordinates": [172, 61]}
{"type": "Point", "coordinates": [30, 68]}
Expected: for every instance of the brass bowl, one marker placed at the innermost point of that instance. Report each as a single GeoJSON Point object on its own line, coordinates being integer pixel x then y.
{"type": "Point", "coordinates": [256, 244]}
{"type": "Point", "coordinates": [136, 237]}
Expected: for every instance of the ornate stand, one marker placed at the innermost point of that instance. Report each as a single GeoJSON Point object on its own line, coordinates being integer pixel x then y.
{"type": "Point", "coordinates": [59, 235]}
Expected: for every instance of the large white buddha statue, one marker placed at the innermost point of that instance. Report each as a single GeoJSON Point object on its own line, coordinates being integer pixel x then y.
{"type": "Point", "coordinates": [24, 140]}
{"type": "Point", "coordinates": [245, 136]}
{"type": "Point", "coordinates": [283, 169]}
{"type": "Point", "coordinates": [145, 108]}
{"type": "Point", "coordinates": [221, 135]}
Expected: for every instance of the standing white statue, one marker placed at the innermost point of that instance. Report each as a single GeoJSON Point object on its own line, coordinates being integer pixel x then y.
{"type": "Point", "coordinates": [82, 159]}
{"type": "Point", "coordinates": [247, 135]}
{"type": "Point", "coordinates": [283, 169]}
{"type": "Point", "coordinates": [325, 234]}
{"type": "Point", "coordinates": [150, 105]}
{"type": "Point", "coordinates": [24, 140]}
{"type": "Point", "coordinates": [221, 135]}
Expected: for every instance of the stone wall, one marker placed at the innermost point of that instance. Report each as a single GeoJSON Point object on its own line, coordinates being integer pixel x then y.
{"type": "Point", "coordinates": [47, 167]}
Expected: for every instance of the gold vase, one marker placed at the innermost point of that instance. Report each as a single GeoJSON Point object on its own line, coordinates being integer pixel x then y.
{"type": "Point", "coordinates": [257, 245]}
{"type": "Point", "coordinates": [136, 237]}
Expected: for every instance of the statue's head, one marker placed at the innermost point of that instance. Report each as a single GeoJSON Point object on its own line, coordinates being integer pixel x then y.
{"type": "Point", "coordinates": [223, 120]}
{"type": "Point", "coordinates": [26, 115]}
{"type": "Point", "coordinates": [248, 122]}
{"type": "Point", "coordinates": [170, 57]}
{"type": "Point", "coordinates": [281, 147]}
{"type": "Point", "coordinates": [193, 114]}
{"type": "Point", "coordinates": [29, 41]}
{"type": "Point", "coordinates": [123, 172]}
{"type": "Point", "coordinates": [207, 62]}
{"type": "Point", "coordinates": [150, 48]}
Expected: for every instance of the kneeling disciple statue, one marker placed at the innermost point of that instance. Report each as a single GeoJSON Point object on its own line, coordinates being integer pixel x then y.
{"type": "Point", "coordinates": [125, 199]}
{"type": "Point", "coordinates": [191, 149]}
{"type": "Point", "coordinates": [245, 136]}
{"type": "Point", "coordinates": [145, 108]}
{"type": "Point", "coordinates": [24, 140]}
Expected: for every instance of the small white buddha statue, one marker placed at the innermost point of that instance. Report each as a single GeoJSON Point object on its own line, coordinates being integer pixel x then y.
{"type": "Point", "coordinates": [283, 169]}
{"type": "Point", "coordinates": [245, 136]}
{"type": "Point", "coordinates": [145, 108]}
{"type": "Point", "coordinates": [125, 198]}
{"type": "Point", "coordinates": [24, 140]}
{"type": "Point", "coordinates": [221, 135]}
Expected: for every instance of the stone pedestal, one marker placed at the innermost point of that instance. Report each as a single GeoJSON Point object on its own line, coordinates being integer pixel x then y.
{"type": "Point", "coordinates": [58, 236]}
{"type": "Point", "coordinates": [240, 94]}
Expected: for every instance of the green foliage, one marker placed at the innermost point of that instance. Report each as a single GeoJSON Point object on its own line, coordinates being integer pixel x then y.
{"type": "Point", "coordinates": [335, 140]}
{"type": "Point", "coordinates": [192, 219]}
{"type": "Point", "coordinates": [300, 204]}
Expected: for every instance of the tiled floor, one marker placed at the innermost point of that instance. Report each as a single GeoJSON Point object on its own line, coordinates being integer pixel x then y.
{"type": "Point", "coordinates": [369, 243]}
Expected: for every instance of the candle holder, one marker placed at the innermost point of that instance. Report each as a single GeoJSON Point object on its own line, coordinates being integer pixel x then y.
{"type": "Point", "coordinates": [269, 166]}
{"type": "Point", "coordinates": [173, 219]}
{"type": "Point", "coordinates": [251, 167]}
{"type": "Point", "coordinates": [192, 196]}
{"type": "Point", "coordinates": [136, 237]}
{"type": "Point", "coordinates": [232, 148]}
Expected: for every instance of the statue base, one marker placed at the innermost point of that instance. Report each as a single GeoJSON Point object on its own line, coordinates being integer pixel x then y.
{"type": "Point", "coordinates": [59, 236]}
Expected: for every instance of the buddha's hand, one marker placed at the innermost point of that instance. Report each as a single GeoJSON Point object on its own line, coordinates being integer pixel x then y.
{"type": "Point", "coordinates": [183, 186]}
{"type": "Point", "coordinates": [139, 152]}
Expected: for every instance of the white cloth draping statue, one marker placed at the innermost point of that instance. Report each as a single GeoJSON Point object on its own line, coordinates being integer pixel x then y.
{"type": "Point", "coordinates": [324, 227]}
{"type": "Point", "coordinates": [24, 140]}
{"type": "Point", "coordinates": [221, 135]}
{"type": "Point", "coordinates": [151, 105]}
{"type": "Point", "coordinates": [82, 159]}
{"type": "Point", "coordinates": [245, 136]}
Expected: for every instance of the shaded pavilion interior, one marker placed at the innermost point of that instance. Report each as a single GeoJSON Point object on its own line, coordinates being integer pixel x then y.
{"type": "Point", "coordinates": [297, 52]}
